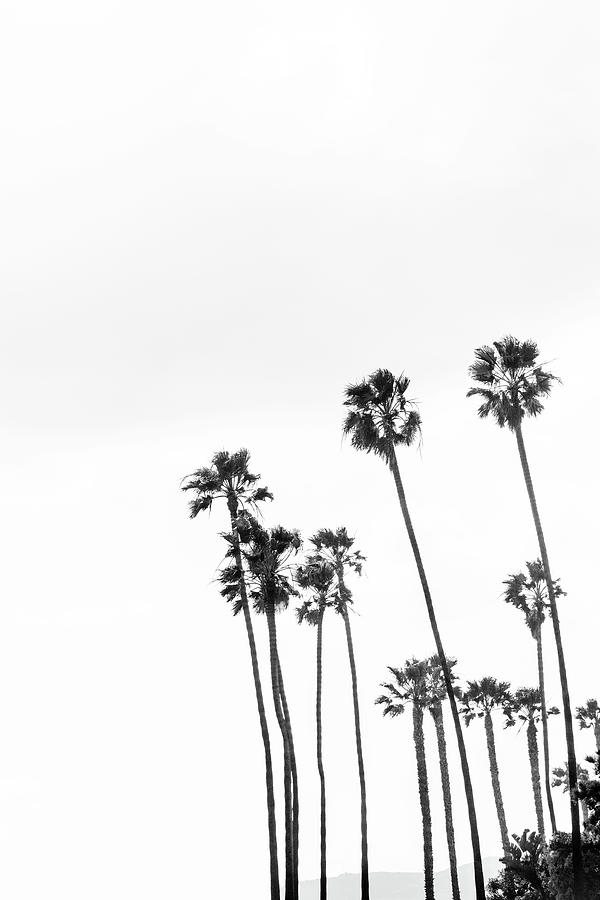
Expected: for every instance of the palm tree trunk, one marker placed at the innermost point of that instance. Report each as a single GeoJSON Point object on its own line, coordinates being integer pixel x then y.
{"type": "Point", "coordinates": [289, 845]}
{"type": "Point", "coordinates": [272, 824]}
{"type": "Point", "coordinates": [294, 778]}
{"type": "Point", "coordinates": [323, 877]}
{"type": "Point", "coordinates": [419, 739]}
{"type": "Point", "coordinates": [571, 759]}
{"type": "Point", "coordinates": [364, 865]}
{"type": "Point", "coordinates": [585, 812]}
{"type": "Point", "coordinates": [477, 865]}
{"type": "Point", "coordinates": [289, 814]}
{"type": "Point", "coordinates": [540, 660]}
{"type": "Point", "coordinates": [491, 746]}
{"type": "Point", "coordinates": [534, 764]}
{"type": "Point", "coordinates": [437, 715]}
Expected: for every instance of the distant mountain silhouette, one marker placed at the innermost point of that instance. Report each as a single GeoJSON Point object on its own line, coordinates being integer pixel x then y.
{"type": "Point", "coordinates": [399, 885]}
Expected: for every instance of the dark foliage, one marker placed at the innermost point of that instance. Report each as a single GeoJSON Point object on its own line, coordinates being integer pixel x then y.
{"type": "Point", "coordinates": [510, 381]}
{"type": "Point", "coordinates": [381, 416]}
{"type": "Point", "coordinates": [227, 477]}
{"type": "Point", "coordinates": [529, 593]}
{"type": "Point", "coordinates": [483, 696]}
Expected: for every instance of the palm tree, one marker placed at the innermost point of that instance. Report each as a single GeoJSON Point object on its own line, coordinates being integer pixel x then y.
{"type": "Point", "coordinates": [588, 716]}
{"type": "Point", "coordinates": [268, 555]}
{"type": "Point", "coordinates": [480, 700]}
{"type": "Point", "coordinates": [513, 386]}
{"type": "Point", "coordinates": [561, 779]}
{"type": "Point", "coordinates": [381, 417]}
{"type": "Point", "coordinates": [529, 593]}
{"type": "Point", "coordinates": [318, 576]}
{"type": "Point", "coordinates": [437, 694]}
{"type": "Point", "coordinates": [410, 685]}
{"type": "Point", "coordinates": [229, 478]}
{"type": "Point", "coordinates": [335, 547]}
{"type": "Point", "coordinates": [525, 706]}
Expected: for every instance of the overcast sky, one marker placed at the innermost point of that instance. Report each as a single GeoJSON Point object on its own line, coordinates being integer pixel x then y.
{"type": "Point", "coordinates": [214, 216]}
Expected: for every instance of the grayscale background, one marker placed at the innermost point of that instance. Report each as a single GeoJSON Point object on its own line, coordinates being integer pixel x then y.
{"type": "Point", "coordinates": [214, 216]}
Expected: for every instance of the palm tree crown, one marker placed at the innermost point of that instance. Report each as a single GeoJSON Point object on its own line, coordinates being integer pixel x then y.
{"type": "Point", "coordinates": [268, 554]}
{"type": "Point", "coordinates": [381, 416]}
{"type": "Point", "coordinates": [411, 685]}
{"type": "Point", "coordinates": [512, 383]}
{"type": "Point", "coordinates": [227, 477]}
{"type": "Point", "coordinates": [483, 697]}
{"type": "Point", "coordinates": [529, 593]}
{"type": "Point", "coordinates": [317, 576]}
{"type": "Point", "coordinates": [437, 682]}
{"type": "Point", "coordinates": [525, 705]}
{"type": "Point", "coordinates": [335, 548]}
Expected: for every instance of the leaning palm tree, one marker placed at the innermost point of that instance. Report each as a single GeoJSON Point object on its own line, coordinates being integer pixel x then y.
{"type": "Point", "coordinates": [588, 716]}
{"type": "Point", "coordinates": [437, 694]}
{"type": "Point", "coordinates": [529, 593]}
{"type": "Point", "coordinates": [380, 418]}
{"type": "Point", "coordinates": [410, 685]}
{"type": "Point", "coordinates": [268, 555]}
{"type": "Point", "coordinates": [525, 706]}
{"type": "Point", "coordinates": [479, 701]}
{"type": "Point", "coordinates": [513, 384]}
{"type": "Point", "coordinates": [228, 478]}
{"type": "Point", "coordinates": [318, 577]}
{"type": "Point", "coordinates": [335, 547]}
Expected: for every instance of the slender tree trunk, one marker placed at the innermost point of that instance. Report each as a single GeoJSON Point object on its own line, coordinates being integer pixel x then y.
{"type": "Point", "coordinates": [585, 812]}
{"type": "Point", "coordinates": [491, 746]}
{"type": "Point", "coordinates": [294, 779]}
{"type": "Point", "coordinates": [437, 715]}
{"type": "Point", "coordinates": [571, 759]}
{"type": "Point", "coordinates": [477, 865]}
{"type": "Point", "coordinates": [289, 814]}
{"type": "Point", "coordinates": [289, 844]}
{"type": "Point", "coordinates": [272, 824]}
{"type": "Point", "coordinates": [597, 735]}
{"type": "Point", "coordinates": [364, 864]}
{"type": "Point", "coordinates": [419, 739]}
{"type": "Point", "coordinates": [540, 661]}
{"type": "Point", "coordinates": [323, 878]}
{"type": "Point", "coordinates": [534, 764]}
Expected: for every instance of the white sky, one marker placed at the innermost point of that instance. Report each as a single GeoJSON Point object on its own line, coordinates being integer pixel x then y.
{"type": "Point", "coordinates": [214, 216]}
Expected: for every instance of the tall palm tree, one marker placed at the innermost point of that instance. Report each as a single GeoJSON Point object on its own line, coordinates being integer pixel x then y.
{"type": "Point", "coordinates": [228, 478]}
{"type": "Point", "coordinates": [318, 577]}
{"type": "Point", "coordinates": [380, 418]}
{"type": "Point", "coordinates": [480, 700]}
{"type": "Point", "coordinates": [268, 555]}
{"type": "Point", "coordinates": [335, 547]}
{"type": "Point", "coordinates": [588, 716]}
{"type": "Point", "coordinates": [437, 694]}
{"type": "Point", "coordinates": [513, 385]}
{"type": "Point", "coordinates": [525, 706]}
{"type": "Point", "coordinates": [410, 685]}
{"type": "Point", "coordinates": [529, 593]}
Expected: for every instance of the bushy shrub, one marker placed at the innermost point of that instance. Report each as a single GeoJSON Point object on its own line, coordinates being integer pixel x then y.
{"type": "Point", "coordinates": [559, 881]}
